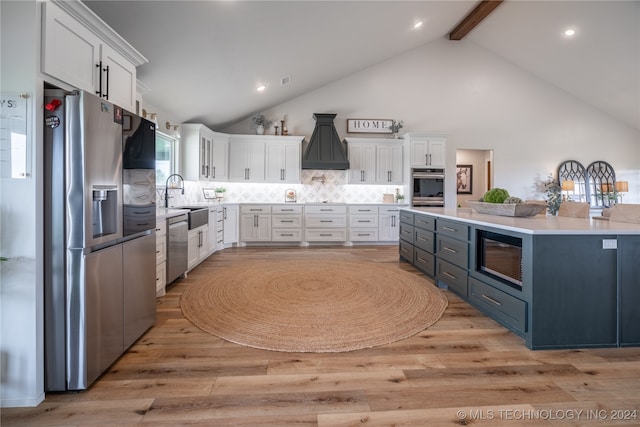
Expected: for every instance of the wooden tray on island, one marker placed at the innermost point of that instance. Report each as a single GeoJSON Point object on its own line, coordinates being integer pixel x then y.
{"type": "Point", "coordinates": [508, 209]}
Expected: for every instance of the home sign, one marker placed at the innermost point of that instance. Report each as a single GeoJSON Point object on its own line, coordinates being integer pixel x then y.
{"type": "Point", "coordinates": [369, 125]}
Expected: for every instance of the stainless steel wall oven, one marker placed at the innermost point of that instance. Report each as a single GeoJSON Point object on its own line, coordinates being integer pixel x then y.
{"type": "Point", "coordinates": [427, 187]}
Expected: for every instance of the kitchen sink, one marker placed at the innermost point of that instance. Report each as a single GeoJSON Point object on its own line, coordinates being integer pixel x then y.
{"type": "Point", "coordinates": [198, 216]}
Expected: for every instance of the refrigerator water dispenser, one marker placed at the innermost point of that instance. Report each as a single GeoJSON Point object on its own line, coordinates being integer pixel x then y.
{"type": "Point", "coordinates": [105, 210]}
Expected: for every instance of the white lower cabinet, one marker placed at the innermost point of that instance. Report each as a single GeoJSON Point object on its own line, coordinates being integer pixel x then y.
{"type": "Point", "coordinates": [325, 223]}
{"type": "Point", "coordinates": [219, 227]}
{"type": "Point", "coordinates": [197, 246]}
{"type": "Point", "coordinates": [255, 223]}
{"type": "Point", "coordinates": [389, 224]}
{"type": "Point", "coordinates": [286, 223]}
{"type": "Point", "coordinates": [161, 257]}
{"type": "Point", "coordinates": [363, 223]}
{"type": "Point", "coordinates": [216, 229]}
{"type": "Point", "coordinates": [230, 227]}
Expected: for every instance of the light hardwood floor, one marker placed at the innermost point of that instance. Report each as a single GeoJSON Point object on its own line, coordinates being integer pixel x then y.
{"type": "Point", "coordinates": [464, 370]}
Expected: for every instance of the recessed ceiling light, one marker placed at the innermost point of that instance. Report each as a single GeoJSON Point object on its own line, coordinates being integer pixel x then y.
{"type": "Point", "coordinates": [261, 88]}
{"type": "Point", "coordinates": [569, 32]}
{"type": "Point", "coordinates": [418, 24]}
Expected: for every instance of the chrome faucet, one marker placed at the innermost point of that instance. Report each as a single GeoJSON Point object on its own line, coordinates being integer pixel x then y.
{"type": "Point", "coordinates": [166, 188]}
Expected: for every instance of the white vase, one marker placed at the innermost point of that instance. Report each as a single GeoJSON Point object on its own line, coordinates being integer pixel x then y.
{"type": "Point", "coordinates": [260, 130]}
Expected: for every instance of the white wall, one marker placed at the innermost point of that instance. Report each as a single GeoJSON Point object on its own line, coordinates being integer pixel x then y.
{"type": "Point", "coordinates": [482, 102]}
{"type": "Point", "coordinates": [21, 342]}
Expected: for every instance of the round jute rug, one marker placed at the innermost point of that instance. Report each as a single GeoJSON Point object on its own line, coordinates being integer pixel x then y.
{"type": "Point", "coordinates": [298, 306]}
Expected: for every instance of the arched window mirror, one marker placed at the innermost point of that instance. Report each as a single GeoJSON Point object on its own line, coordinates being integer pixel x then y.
{"type": "Point", "coordinates": [573, 181]}
{"type": "Point", "coordinates": [602, 184]}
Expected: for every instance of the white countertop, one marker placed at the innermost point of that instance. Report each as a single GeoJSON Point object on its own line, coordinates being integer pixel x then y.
{"type": "Point", "coordinates": [539, 224]}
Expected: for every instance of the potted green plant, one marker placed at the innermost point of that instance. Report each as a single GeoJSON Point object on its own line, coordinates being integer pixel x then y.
{"type": "Point", "coordinates": [220, 192]}
{"type": "Point", "coordinates": [395, 127]}
{"type": "Point", "coordinates": [399, 198]}
{"type": "Point", "coordinates": [261, 123]}
{"type": "Point", "coordinates": [554, 196]}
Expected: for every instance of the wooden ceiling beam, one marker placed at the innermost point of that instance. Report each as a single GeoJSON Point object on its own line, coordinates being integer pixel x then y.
{"type": "Point", "coordinates": [481, 11]}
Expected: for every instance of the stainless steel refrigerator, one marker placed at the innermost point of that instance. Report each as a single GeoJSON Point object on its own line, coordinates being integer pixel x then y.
{"type": "Point", "coordinates": [99, 284]}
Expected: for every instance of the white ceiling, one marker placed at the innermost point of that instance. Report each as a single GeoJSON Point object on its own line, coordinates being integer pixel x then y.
{"type": "Point", "coordinates": [206, 58]}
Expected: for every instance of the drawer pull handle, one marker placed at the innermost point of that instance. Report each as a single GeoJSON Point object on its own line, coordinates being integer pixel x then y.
{"type": "Point", "coordinates": [422, 238]}
{"type": "Point", "coordinates": [286, 235]}
{"type": "Point", "coordinates": [286, 220]}
{"type": "Point", "coordinates": [326, 220]}
{"type": "Point", "coordinates": [449, 229]}
{"type": "Point", "coordinates": [326, 210]}
{"type": "Point", "coordinates": [488, 298]}
{"type": "Point", "coordinates": [364, 220]}
{"type": "Point", "coordinates": [453, 251]}
{"type": "Point", "coordinates": [424, 260]}
{"type": "Point", "coordinates": [449, 275]}
{"type": "Point", "coordinates": [325, 235]}
{"type": "Point", "coordinates": [255, 210]}
{"type": "Point", "coordinates": [364, 234]}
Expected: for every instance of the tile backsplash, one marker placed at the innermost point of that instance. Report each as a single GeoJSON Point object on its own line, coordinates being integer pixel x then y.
{"type": "Point", "coordinates": [311, 189]}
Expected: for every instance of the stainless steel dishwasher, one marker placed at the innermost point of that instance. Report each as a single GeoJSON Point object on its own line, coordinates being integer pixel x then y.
{"type": "Point", "coordinates": [177, 236]}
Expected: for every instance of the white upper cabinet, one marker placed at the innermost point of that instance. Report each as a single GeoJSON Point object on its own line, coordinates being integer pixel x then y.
{"type": "Point", "coordinates": [219, 157]}
{"type": "Point", "coordinates": [389, 168]}
{"type": "Point", "coordinates": [118, 78]}
{"type": "Point", "coordinates": [204, 153]}
{"type": "Point", "coordinates": [362, 162]}
{"type": "Point", "coordinates": [283, 159]}
{"type": "Point", "coordinates": [427, 150]}
{"type": "Point", "coordinates": [375, 161]}
{"type": "Point", "coordinates": [246, 159]}
{"type": "Point", "coordinates": [79, 49]}
{"type": "Point", "coordinates": [265, 158]}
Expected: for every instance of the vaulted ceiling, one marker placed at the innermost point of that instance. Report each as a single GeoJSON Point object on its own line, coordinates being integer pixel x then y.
{"type": "Point", "coordinates": [206, 58]}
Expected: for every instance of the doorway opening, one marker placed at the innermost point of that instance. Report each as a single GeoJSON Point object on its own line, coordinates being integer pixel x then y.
{"type": "Point", "coordinates": [474, 175]}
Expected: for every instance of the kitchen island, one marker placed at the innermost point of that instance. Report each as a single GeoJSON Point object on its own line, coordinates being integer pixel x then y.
{"type": "Point", "coordinates": [576, 285]}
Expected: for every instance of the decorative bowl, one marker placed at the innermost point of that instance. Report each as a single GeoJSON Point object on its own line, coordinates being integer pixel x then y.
{"type": "Point", "coordinates": [508, 209]}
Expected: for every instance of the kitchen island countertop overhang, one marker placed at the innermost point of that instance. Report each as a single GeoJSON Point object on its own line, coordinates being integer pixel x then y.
{"type": "Point", "coordinates": [538, 224]}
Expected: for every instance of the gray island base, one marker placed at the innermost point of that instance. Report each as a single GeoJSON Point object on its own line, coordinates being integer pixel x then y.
{"type": "Point", "coordinates": [577, 284]}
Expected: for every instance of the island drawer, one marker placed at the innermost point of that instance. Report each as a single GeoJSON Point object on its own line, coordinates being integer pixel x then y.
{"type": "Point", "coordinates": [406, 251]}
{"type": "Point", "coordinates": [424, 240]}
{"type": "Point", "coordinates": [406, 232]}
{"type": "Point", "coordinates": [454, 277]}
{"type": "Point", "coordinates": [453, 229]}
{"type": "Point", "coordinates": [425, 222]}
{"type": "Point", "coordinates": [424, 261]}
{"type": "Point", "coordinates": [505, 308]}
{"type": "Point", "coordinates": [406, 217]}
{"type": "Point", "coordinates": [454, 251]}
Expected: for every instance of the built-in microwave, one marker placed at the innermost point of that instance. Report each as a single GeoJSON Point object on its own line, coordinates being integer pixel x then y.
{"type": "Point", "coordinates": [499, 256]}
{"type": "Point", "coordinates": [427, 187]}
